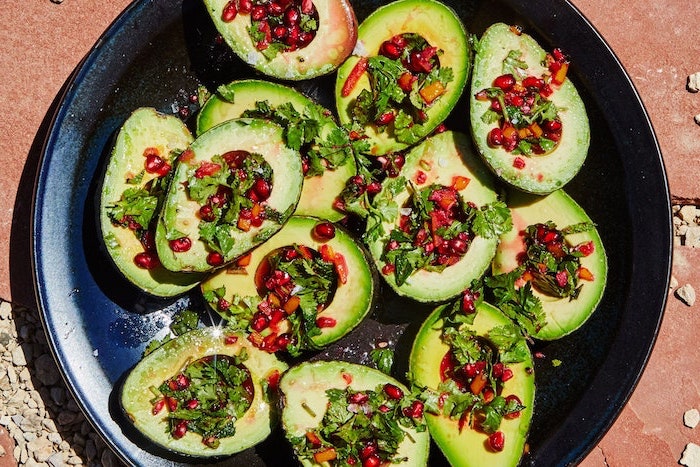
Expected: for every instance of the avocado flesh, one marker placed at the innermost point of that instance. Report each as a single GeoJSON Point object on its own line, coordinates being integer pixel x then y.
{"type": "Point", "coordinates": [180, 213]}
{"type": "Point", "coordinates": [441, 28]}
{"type": "Point", "coordinates": [145, 128]}
{"type": "Point", "coordinates": [563, 315]}
{"type": "Point", "coordinates": [545, 173]}
{"type": "Point", "coordinates": [320, 191]}
{"type": "Point", "coordinates": [304, 400]}
{"type": "Point", "coordinates": [352, 301]}
{"type": "Point", "coordinates": [468, 447]}
{"type": "Point", "coordinates": [334, 41]}
{"type": "Point", "coordinates": [443, 157]}
{"type": "Point", "coordinates": [166, 361]}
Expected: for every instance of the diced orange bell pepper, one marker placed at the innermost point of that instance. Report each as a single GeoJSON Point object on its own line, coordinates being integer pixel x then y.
{"type": "Point", "coordinates": [325, 455]}
{"type": "Point", "coordinates": [478, 383]}
{"type": "Point", "coordinates": [313, 438]}
{"type": "Point", "coordinates": [536, 130]}
{"type": "Point", "coordinates": [243, 224]}
{"type": "Point", "coordinates": [244, 261]}
{"type": "Point", "coordinates": [585, 274]}
{"type": "Point", "coordinates": [432, 91]}
{"type": "Point", "coordinates": [291, 305]}
{"type": "Point", "coordinates": [459, 182]}
{"type": "Point", "coordinates": [560, 75]}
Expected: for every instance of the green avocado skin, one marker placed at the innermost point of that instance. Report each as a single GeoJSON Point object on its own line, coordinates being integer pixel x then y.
{"type": "Point", "coordinates": [144, 128]}
{"type": "Point", "coordinates": [467, 447]}
{"type": "Point", "coordinates": [303, 388]}
{"type": "Point", "coordinates": [542, 174]}
{"type": "Point", "coordinates": [180, 214]}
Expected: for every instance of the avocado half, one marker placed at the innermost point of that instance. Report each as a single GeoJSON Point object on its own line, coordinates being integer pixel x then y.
{"type": "Point", "coordinates": [441, 158]}
{"type": "Point", "coordinates": [544, 173]}
{"type": "Point", "coordinates": [145, 128]}
{"type": "Point", "coordinates": [562, 314]}
{"type": "Point", "coordinates": [352, 300]}
{"type": "Point", "coordinates": [166, 361]}
{"type": "Point", "coordinates": [441, 28]}
{"type": "Point", "coordinates": [180, 214]}
{"type": "Point", "coordinates": [318, 192]}
{"type": "Point", "coordinates": [335, 38]}
{"type": "Point", "coordinates": [303, 389]}
{"type": "Point", "coordinates": [468, 447]}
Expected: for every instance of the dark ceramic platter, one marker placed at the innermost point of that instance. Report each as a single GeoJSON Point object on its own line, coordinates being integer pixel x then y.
{"type": "Point", "coordinates": [157, 53]}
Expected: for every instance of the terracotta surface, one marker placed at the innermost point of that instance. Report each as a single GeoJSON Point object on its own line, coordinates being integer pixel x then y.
{"type": "Point", "coordinates": [42, 42]}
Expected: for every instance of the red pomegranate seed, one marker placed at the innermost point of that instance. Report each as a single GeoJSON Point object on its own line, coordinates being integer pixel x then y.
{"type": "Point", "coordinates": [275, 9]}
{"type": "Point", "coordinates": [393, 391]}
{"type": "Point", "coordinates": [374, 187]}
{"type": "Point", "coordinates": [291, 17]}
{"type": "Point", "coordinates": [507, 374]}
{"type": "Point", "coordinates": [368, 450]}
{"type": "Point", "coordinates": [372, 461]}
{"type": "Point", "coordinates": [388, 269]}
{"type": "Point", "coordinates": [158, 406]}
{"type": "Point", "coordinates": [230, 340]}
{"type": "Point", "coordinates": [505, 82]}
{"type": "Point", "coordinates": [586, 248]}
{"type": "Point", "coordinates": [229, 12]}
{"type": "Point", "coordinates": [533, 82]}
{"type": "Point", "coordinates": [148, 241]}
{"type": "Point", "coordinates": [223, 304]}
{"type": "Point", "coordinates": [415, 410]}
{"type": "Point", "coordinates": [495, 137]}
{"type": "Point", "coordinates": [497, 441]}
{"type": "Point", "coordinates": [519, 163]}
{"type": "Point", "coordinates": [154, 163]}
{"type": "Point", "coordinates": [390, 50]}
{"type": "Point", "coordinates": [551, 125]}
{"type": "Point", "coordinates": [180, 245]}
{"type": "Point", "coordinates": [180, 429]}
{"type": "Point", "coordinates": [262, 189]}
{"type": "Point", "coordinates": [324, 231]}
{"type": "Point", "coordinates": [279, 32]}
{"type": "Point", "coordinates": [214, 258]}
{"type": "Point", "coordinates": [325, 322]}
{"type": "Point", "coordinates": [421, 177]}
{"type": "Point", "coordinates": [172, 403]}
{"type": "Point", "coordinates": [259, 322]}
{"type": "Point", "coordinates": [258, 13]}
{"type": "Point", "coordinates": [147, 260]}
{"type": "Point", "coordinates": [307, 7]}
{"type": "Point", "coordinates": [206, 213]}
{"type": "Point", "coordinates": [244, 6]}
{"type": "Point", "coordinates": [358, 398]}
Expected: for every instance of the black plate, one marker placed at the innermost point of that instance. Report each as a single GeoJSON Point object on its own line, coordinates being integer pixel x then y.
{"type": "Point", "coordinates": [157, 53]}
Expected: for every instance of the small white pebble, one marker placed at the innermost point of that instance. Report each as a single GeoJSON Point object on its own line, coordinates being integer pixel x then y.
{"type": "Point", "coordinates": [691, 455]}
{"type": "Point", "coordinates": [686, 294]}
{"type": "Point", "coordinates": [673, 283]}
{"type": "Point", "coordinates": [694, 82]}
{"type": "Point", "coordinates": [95, 353]}
{"type": "Point", "coordinates": [691, 418]}
{"type": "Point", "coordinates": [697, 119]}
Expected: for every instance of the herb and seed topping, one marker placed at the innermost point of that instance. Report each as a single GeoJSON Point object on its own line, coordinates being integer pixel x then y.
{"type": "Point", "coordinates": [206, 397]}
{"type": "Point", "coordinates": [527, 121]}
{"type": "Point", "coordinates": [406, 79]}
{"type": "Point", "coordinates": [276, 26]}
{"type": "Point", "coordinates": [137, 207]}
{"type": "Point", "coordinates": [362, 427]}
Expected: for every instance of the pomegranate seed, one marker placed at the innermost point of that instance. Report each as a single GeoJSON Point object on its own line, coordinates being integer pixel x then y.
{"type": "Point", "coordinates": [385, 118]}
{"type": "Point", "coordinates": [214, 258]}
{"type": "Point", "coordinates": [262, 189]}
{"type": "Point", "coordinates": [172, 403]}
{"type": "Point", "coordinates": [507, 374]}
{"type": "Point", "coordinates": [358, 398]}
{"type": "Point", "coordinates": [368, 450]}
{"type": "Point", "coordinates": [259, 322]}
{"type": "Point", "coordinates": [154, 163]}
{"type": "Point", "coordinates": [229, 12]}
{"type": "Point", "coordinates": [180, 245]}
{"type": "Point", "coordinates": [421, 177]}
{"type": "Point", "coordinates": [393, 391]}
{"type": "Point", "coordinates": [374, 187]}
{"type": "Point", "coordinates": [148, 241]}
{"type": "Point", "coordinates": [495, 137]}
{"type": "Point", "coordinates": [283, 341]}
{"type": "Point", "coordinates": [147, 260]}
{"type": "Point", "coordinates": [497, 441]}
{"type": "Point", "coordinates": [244, 6]}
{"type": "Point", "coordinates": [325, 322]}
{"type": "Point", "coordinates": [230, 340]}
{"type": "Point", "coordinates": [180, 429]}
{"type": "Point", "coordinates": [505, 82]}
{"type": "Point", "coordinates": [206, 213]}
{"type": "Point", "coordinates": [324, 231]}
{"type": "Point", "coordinates": [390, 50]}
{"type": "Point", "coordinates": [415, 410]}
{"type": "Point", "coordinates": [519, 163]}
{"type": "Point", "coordinates": [551, 125]}
{"type": "Point", "coordinates": [307, 7]}
{"type": "Point", "coordinates": [293, 33]}
{"type": "Point", "coordinates": [158, 406]}
{"type": "Point", "coordinates": [279, 32]}
{"type": "Point", "coordinates": [372, 461]}
{"type": "Point", "coordinates": [258, 13]}
{"type": "Point", "coordinates": [533, 82]}
{"type": "Point", "coordinates": [498, 370]}
{"type": "Point", "coordinates": [223, 304]}
{"type": "Point", "coordinates": [275, 9]}
{"type": "Point", "coordinates": [291, 17]}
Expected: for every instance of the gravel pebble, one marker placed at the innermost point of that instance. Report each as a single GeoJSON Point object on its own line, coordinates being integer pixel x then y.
{"type": "Point", "coordinates": [37, 411]}
{"type": "Point", "coordinates": [686, 294]}
{"type": "Point", "coordinates": [691, 455]}
{"type": "Point", "coordinates": [691, 418]}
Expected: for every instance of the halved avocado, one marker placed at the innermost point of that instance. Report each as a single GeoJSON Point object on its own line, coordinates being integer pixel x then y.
{"type": "Point", "coordinates": [440, 27]}
{"type": "Point", "coordinates": [444, 159]}
{"type": "Point", "coordinates": [537, 173]}
{"type": "Point", "coordinates": [170, 359]}
{"type": "Point", "coordinates": [461, 444]}
{"type": "Point", "coordinates": [319, 191]}
{"type": "Point", "coordinates": [334, 39]}
{"type": "Point", "coordinates": [145, 131]}
{"type": "Point", "coordinates": [304, 402]}
{"type": "Point", "coordinates": [181, 215]}
{"type": "Point", "coordinates": [563, 315]}
{"type": "Point", "coordinates": [353, 298]}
